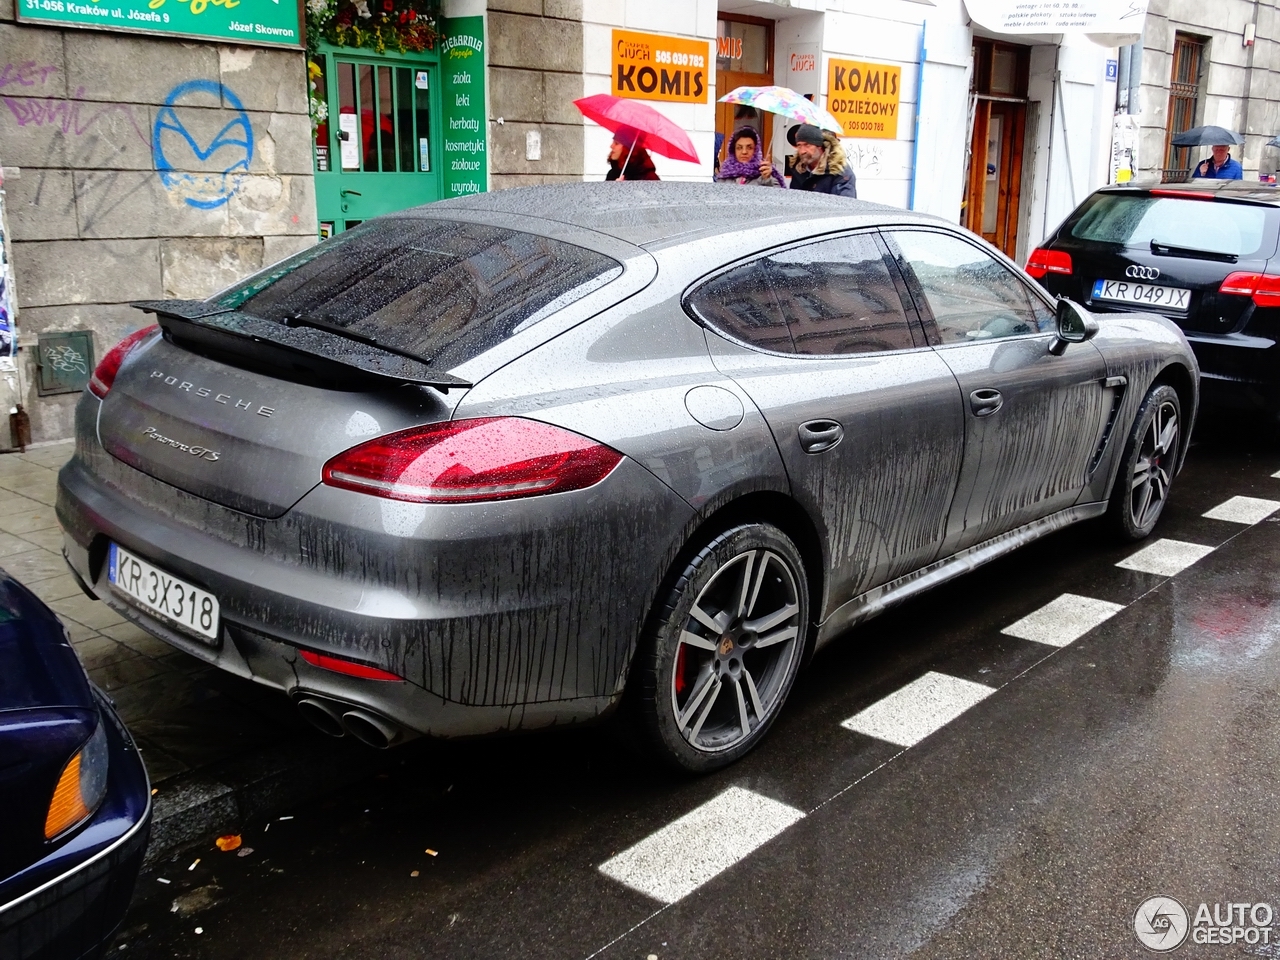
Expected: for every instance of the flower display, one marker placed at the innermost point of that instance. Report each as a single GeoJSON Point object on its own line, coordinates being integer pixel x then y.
{"type": "Point", "coordinates": [401, 25]}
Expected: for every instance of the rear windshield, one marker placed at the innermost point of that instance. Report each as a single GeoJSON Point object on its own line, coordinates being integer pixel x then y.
{"type": "Point", "coordinates": [438, 289]}
{"type": "Point", "coordinates": [1134, 220]}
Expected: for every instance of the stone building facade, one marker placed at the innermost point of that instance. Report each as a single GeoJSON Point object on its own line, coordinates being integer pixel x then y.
{"type": "Point", "coordinates": [108, 200]}
{"type": "Point", "coordinates": [1198, 64]}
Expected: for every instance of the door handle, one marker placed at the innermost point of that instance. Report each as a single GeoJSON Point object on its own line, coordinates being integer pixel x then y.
{"type": "Point", "coordinates": [350, 193]}
{"type": "Point", "coordinates": [817, 436]}
{"type": "Point", "coordinates": [985, 402]}
{"type": "Point", "coordinates": [344, 134]}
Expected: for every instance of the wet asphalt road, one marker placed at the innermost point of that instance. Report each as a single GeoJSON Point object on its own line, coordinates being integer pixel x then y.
{"type": "Point", "coordinates": [1139, 760]}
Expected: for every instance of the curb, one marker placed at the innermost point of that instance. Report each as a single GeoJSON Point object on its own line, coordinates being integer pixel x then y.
{"type": "Point", "coordinates": [194, 808]}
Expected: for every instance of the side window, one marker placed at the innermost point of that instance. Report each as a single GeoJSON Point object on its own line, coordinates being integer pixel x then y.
{"type": "Point", "coordinates": [741, 304]}
{"type": "Point", "coordinates": [839, 297]}
{"type": "Point", "coordinates": [1045, 317]}
{"type": "Point", "coordinates": [971, 295]}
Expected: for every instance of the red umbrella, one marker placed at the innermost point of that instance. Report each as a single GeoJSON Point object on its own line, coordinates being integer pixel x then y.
{"type": "Point", "coordinates": [658, 133]}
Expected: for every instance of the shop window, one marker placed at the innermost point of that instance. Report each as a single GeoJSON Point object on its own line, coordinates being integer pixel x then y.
{"type": "Point", "coordinates": [1184, 104]}
{"type": "Point", "coordinates": [742, 47]}
{"type": "Point", "coordinates": [1000, 69]}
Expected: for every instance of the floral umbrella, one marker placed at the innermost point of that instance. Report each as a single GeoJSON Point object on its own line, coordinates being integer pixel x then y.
{"type": "Point", "coordinates": [657, 132]}
{"type": "Point", "coordinates": [785, 102]}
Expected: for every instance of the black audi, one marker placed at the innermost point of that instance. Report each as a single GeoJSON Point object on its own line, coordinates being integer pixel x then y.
{"type": "Point", "coordinates": [1202, 254]}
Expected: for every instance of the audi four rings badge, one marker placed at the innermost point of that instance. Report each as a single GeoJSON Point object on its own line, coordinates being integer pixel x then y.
{"type": "Point", "coordinates": [1138, 272]}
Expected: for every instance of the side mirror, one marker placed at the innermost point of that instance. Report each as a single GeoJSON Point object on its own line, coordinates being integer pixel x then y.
{"type": "Point", "coordinates": [1075, 325]}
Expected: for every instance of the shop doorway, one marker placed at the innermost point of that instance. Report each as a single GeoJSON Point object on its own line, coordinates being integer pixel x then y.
{"type": "Point", "coordinates": [744, 57]}
{"type": "Point", "coordinates": [993, 186]}
{"type": "Point", "coordinates": [377, 150]}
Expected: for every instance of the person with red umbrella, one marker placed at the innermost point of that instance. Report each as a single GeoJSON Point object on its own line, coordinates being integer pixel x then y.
{"type": "Point", "coordinates": [637, 128]}
{"type": "Point", "coordinates": [627, 159]}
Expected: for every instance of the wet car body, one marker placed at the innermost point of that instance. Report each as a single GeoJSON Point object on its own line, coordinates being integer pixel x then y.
{"type": "Point", "coordinates": [62, 896]}
{"type": "Point", "coordinates": [1232, 319]}
{"type": "Point", "coordinates": [523, 613]}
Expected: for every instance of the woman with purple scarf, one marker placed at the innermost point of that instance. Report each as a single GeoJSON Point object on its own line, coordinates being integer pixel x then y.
{"type": "Point", "coordinates": [746, 165]}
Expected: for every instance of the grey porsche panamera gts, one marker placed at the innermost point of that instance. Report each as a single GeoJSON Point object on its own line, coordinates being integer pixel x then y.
{"type": "Point", "coordinates": [510, 461]}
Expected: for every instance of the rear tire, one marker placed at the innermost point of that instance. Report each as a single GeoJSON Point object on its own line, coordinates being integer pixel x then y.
{"type": "Point", "coordinates": [723, 648]}
{"type": "Point", "coordinates": [1146, 472]}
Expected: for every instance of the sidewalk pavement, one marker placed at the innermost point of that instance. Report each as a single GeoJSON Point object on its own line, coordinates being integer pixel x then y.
{"type": "Point", "coordinates": [220, 750]}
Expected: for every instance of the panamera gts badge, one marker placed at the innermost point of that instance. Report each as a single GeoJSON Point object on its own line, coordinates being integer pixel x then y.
{"type": "Point", "coordinates": [204, 453]}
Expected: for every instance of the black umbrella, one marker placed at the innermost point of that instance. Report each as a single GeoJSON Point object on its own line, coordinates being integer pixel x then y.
{"type": "Point", "coordinates": [1202, 136]}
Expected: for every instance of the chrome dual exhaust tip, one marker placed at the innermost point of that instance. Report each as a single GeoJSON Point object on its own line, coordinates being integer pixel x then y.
{"type": "Point", "coordinates": [338, 719]}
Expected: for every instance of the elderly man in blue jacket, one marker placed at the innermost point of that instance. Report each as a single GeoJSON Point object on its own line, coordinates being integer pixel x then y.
{"type": "Point", "coordinates": [1220, 166]}
{"type": "Point", "coordinates": [821, 164]}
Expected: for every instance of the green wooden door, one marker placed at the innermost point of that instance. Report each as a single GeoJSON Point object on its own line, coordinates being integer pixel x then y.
{"type": "Point", "coordinates": [377, 151]}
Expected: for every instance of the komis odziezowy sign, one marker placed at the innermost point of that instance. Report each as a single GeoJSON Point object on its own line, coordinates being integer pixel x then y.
{"type": "Point", "coordinates": [650, 66]}
{"type": "Point", "coordinates": [864, 97]}
{"type": "Point", "coordinates": [237, 21]}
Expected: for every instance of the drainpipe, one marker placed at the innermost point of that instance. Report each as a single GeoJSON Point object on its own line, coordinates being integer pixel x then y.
{"type": "Point", "coordinates": [915, 146]}
{"type": "Point", "coordinates": [1248, 91]}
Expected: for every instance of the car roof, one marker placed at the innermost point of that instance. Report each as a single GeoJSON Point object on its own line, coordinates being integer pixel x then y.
{"type": "Point", "coordinates": [1226, 189]}
{"type": "Point", "coordinates": [656, 214]}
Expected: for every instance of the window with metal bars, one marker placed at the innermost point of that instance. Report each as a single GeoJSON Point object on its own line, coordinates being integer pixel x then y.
{"type": "Point", "coordinates": [1184, 101]}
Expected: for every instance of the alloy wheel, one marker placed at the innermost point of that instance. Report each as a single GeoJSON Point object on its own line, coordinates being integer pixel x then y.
{"type": "Point", "coordinates": [1149, 485]}
{"type": "Point", "coordinates": [735, 652]}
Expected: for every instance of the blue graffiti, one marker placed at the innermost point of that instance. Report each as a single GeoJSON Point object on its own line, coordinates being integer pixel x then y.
{"type": "Point", "coordinates": [204, 177]}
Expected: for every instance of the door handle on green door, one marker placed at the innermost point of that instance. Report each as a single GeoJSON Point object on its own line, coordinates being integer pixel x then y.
{"type": "Point", "coordinates": [350, 193]}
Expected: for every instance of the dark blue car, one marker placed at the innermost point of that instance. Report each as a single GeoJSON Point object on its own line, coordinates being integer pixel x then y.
{"type": "Point", "coordinates": [75, 803]}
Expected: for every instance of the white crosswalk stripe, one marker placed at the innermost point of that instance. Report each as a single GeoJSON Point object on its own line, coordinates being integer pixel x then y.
{"type": "Point", "coordinates": [1061, 621]}
{"type": "Point", "coordinates": [1247, 510]}
{"type": "Point", "coordinates": [673, 862]}
{"type": "Point", "coordinates": [1165, 557]}
{"type": "Point", "coordinates": [907, 716]}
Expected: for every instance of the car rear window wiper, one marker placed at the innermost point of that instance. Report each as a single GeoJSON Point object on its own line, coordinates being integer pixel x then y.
{"type": "Point", "coordinates": [328, 354]}
{"type": "Point", "coordinates": [1191, 253]}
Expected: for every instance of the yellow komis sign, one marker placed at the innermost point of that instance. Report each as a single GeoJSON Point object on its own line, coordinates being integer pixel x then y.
{"type": "Point", "coordinates": [864, 97]}
{"type": "Point", "coordinates": [650, 66]}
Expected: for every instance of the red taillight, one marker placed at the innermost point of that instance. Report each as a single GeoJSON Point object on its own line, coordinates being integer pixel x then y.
{"type": "Point", "coordinates": [1264, 289]}
{"type": "Point", "coordinates": [349, 667]}
{"type": "Point", "coordinates": [104, 374]}
{"type": "Point", "coordinates": [1044, 261]}
{"type": "Point", "coordinates": [491, 458]}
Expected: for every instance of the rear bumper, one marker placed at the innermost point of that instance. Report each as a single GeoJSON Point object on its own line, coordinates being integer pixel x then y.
{"type": "Point", "coordinates": [70, 905]}
{"type": "Point", "coordinates": [499, 616]}
{"type": "Point", "coordinates": [1239, 370]}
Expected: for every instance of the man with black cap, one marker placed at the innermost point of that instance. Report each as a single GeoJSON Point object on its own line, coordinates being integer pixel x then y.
{"type": "Point", "coordinates": [821, 165]}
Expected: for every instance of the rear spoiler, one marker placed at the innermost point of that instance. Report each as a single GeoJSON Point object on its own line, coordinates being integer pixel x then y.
{"type": "Point", "coordinates": [325, 355]}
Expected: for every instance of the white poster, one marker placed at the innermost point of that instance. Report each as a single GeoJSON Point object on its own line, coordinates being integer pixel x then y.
{"type": "Point", "coordinates": [802, 69]}
{"type": "Point", "coordinates": [349, 138]}
{"type": "Point", "coordinates": [1117, 21]}
{"type": "Point", "coordinates": [1124, 148]}
{"type": "Point", "coordinates": [8, 300]}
